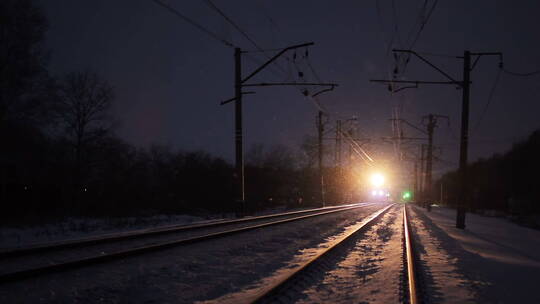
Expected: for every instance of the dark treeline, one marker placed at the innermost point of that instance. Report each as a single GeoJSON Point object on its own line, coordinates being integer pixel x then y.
{"type": "Point", "coordinates": [60, 156]}
{"type": "Point", "coordinates": [507, 182]}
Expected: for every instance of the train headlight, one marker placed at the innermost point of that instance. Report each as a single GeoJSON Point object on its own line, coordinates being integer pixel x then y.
{"type": "Point", "coordinates": [377, 180]}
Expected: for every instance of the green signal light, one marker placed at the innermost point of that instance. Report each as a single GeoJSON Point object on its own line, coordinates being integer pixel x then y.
{"type": "Point", "coordinates": [407, 195]}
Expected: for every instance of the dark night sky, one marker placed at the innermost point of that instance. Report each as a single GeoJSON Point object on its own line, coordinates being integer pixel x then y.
{"type": "Point", "coordinates": [169, 76]}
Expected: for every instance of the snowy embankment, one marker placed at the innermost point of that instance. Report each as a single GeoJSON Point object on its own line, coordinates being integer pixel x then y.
{"type": "Point", "coordinates": [74, 228]}
{"type": "Point", "coordinates": [491, 261]}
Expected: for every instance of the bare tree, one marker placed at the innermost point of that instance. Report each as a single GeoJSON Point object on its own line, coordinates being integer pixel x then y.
{"type": "Point", "coordinates": [84, 111]}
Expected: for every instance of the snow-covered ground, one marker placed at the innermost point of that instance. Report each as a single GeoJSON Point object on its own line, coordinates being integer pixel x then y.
{"type": "Point", "coordinates": [76, 228]}
{"type": "Point", "coordinates": [73, 228]}
{"type": "Point", "coordinates": [491, 261]}
{"type": "Point", "coordinates": [203, 271]}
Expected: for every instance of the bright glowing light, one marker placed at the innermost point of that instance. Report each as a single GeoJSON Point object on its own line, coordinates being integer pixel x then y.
{"type": "Point", "coordinates": [407, 195]}
{"type": "Point", "coordinates": [377, 179]}
{"type": "Point", "coordinates": [374, 192]}
{"type": "Point", "coordinates": [381, 193]}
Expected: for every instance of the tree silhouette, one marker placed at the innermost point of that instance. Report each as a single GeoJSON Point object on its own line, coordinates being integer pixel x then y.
{"type": "Point", "coordinates": [23, 74]}
{"type": "Point", "coordinates": [83, 109]}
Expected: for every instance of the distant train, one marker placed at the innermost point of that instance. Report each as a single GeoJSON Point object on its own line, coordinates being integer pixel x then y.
{"type": "Point", "coordinates": [379, 195]}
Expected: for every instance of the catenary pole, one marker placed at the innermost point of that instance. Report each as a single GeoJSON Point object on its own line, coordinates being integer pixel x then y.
{"type": "Point", "coordinates": [415, 187]}
{"type": "Point", "coordinates": [463, 199]}
{"type": "Point", "coordinates": [320, 129]}
{"type": "Point", "coordinates": [429, 161]}
{"type": "Point", "coordinates": [464, 141]}
{"type": "Point", "coordinates": [422, 170]}
{"type": "Point", "coordinates": [238, 132]}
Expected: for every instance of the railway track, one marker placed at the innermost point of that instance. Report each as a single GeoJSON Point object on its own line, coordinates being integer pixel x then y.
{"type": "Point", "coordinates": [412, 294]}
{"type": "Point", "coordinates": [276, 291]}
{"type": "Point", "coordinates": [20, 263]}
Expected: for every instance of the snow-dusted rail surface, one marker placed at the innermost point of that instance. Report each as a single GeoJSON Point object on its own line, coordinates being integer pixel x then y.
{"type": "Point", "coordinates": [20, 263]}
{"type": "Point", "coordinates": [411, 286]}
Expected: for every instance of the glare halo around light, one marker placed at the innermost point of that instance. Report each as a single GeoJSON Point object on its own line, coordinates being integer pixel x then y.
{"type": "Point", "coordinates": [377, 180]}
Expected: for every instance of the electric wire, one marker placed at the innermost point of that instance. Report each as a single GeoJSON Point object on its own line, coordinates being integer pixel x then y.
{"type": "Point", "coordinates": [177, 13]}
{"type": "Point", "coordinates": [421, 15]}
{"type": "Point", "coordinates": [396, 23]}
{"type": "Point", "coordinates": [264, 50]}
{"type": "Point", "coordinates": [314, 100]}
{"type": "Point", "coordinates": [193, 23]}
{"type": "Point", "coordinates": [252, 41]}
{"type": "Point", "coordinates": [242, 32]}
{"type": "Point", "coordinates": [436, 54]}
{"type": "Point", "coordinates": [490, 97]}
{"type": "Point", "coordinates": [533, 73]}
{"type": "Point", "coordinates": [423, 24]}
{"type": "Point", "coordinates": [355, 144]}
{"type": "Point", "coordinates": [231, 22]}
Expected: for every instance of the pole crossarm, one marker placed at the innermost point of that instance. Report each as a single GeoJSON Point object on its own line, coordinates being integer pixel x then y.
{"type": "Point", "coordinates": [478, 55]}
{"type": "Point", "coordinates": [323, 91]}
{"type": "Point", "coordinates": [234, 98]}
{"type": "Point", "coordinates": [274, 58]}
{"type": "Point", "coordinates": [404, 88]}
{"type": "Point", "coordinates": [428, 63]}
{"type": "Point", "coordinates": [404, 138]}
{"type": "Point", "coordinates": [409, 124]}
{"type": "Point", "coordinates": [417, 82]}
{"type": "Point", "coordinates": [266, 84]}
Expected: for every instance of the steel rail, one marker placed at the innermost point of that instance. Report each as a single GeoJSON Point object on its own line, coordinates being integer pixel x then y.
{"type": "Point", "coordinates": [162, 230]}
{"type": "Point", "coordinates": [411, 269]}
{"type": "Point", "coordinates": [85, 261]}
{"type": "Point", "coordinates": [271, 290]}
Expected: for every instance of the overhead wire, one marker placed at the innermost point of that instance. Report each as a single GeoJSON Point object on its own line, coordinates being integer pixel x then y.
{"type": "Point", "coordinates": [227, 43]}
{"type": "Point", "coordinates": [315, 99]}
{"type": "Point", "coordinates": [231, 22]}
{"type": "Point", "coordinates": [193, 23]}
{"type": "Point", "coordinates": [242, 32]}
{"type": "Point", "coordinates": [355, 144]}
{"type": "Point", "coordinates": [533, 73]}
{"type": "Point", "coordinates": [422, 26]}
{"type": "Point", "coordinates": [291, 63]}
{"type": "Point", "coordinates": [435, 54]}
{"type": "Point", "coordinates": [424, 22]}
{"type": "Point", "coordinates": [396, 22]}
{"type": "Point", "coordinates": [421, 15]}
{"type": "Point", "coordinates": [490, 97]}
